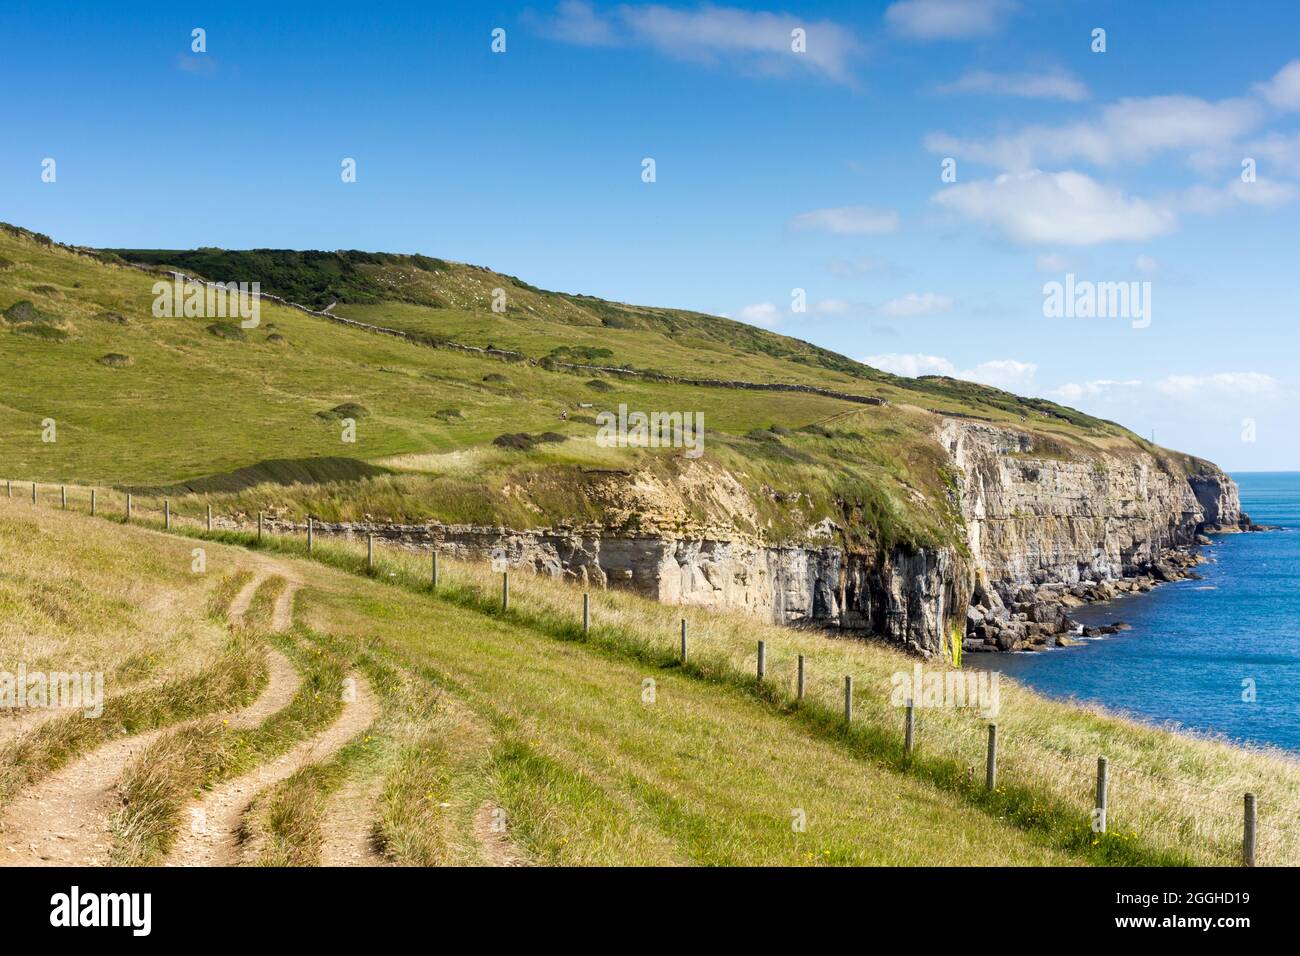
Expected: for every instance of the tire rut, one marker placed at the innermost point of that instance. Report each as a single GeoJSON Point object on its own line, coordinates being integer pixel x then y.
{"type": "Point", "coordinates": [64, 818]}
{"type": "Point", "coordinates": [222, 809]}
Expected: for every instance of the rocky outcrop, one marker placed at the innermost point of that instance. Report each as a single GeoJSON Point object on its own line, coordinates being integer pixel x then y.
{"type": "Point", "coordinates": [902, 596]}
{"type": "Point", "coordinates": [1039, 534]}
{"type": "Point", "coordinates": [1045, 532]}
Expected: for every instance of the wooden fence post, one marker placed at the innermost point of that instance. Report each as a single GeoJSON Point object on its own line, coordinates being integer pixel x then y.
{"type": "Point", "coordinates": [92, 502]}
{"type": "Point", "coordinates": [9, 488]}
{"type": "Point", "coordinates": [1248, 833]}
{"type": "Point", "coordinates": [33, 492]}
{"type": "Point", "coordinates": [128, 506]}
{"type": "Point", "coordinates": [505, 590]}
{"type": "Point", "coordinates": [991, 764]}
{"type": "Point", "coordinates": [1103, 786]}
{"type": "Point", "coordinates": [909, 728]}
{"type": "Point", "coordinates": [684, 633]}
{"type": "Point", "coordinates": [848, 698]}
{"type": "Point", "coordinates": [63, 496]}
{"type": "Point", "coordinates": [259, 526]}
{"type": "Point", "coordinates": [435, 570]}
{"type": "Point", "coordinates": [370, 552]}
{"type": "Point", "coordinates": [311, 534]}
{"type": "Point", "coordinates": [209, 517]}
{"type": "Point", "coordinates": [799, 683]}
{"type": "Point", "coordinates": [586, 613]}
{"type": "Point", "coordinates": [167, 514]}
{"type": "Point", "coordinates": [762, 660]}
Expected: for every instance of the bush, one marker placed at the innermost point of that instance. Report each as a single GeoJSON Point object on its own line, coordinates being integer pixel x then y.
{"type": "Point", "coordinates": [516, 441]}
{"type": "Point", "coordinates": [227, 330]}
{"type": "Point", "coordinates": [598, 385]}
{"type": "Point", "coordinates": [41, 330]}
{"type": "Point", "coordinates": [346, 410]}
{"type": "Point", "coordinates": [448, 414]}
{"type": "Point", "coordinates": [522, 441]}
{"type": "Point", "coordinates": [113, 317]}
{"type": "Point", "coordinates": [116, 360]}
{"type": "Point", "coordinates": [496, 378]}
{"type": "Point", "coordinates": [24, 311]}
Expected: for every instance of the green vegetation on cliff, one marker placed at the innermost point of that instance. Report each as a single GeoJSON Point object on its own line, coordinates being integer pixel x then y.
{"type": "Point", "coordinates": [237, 418]}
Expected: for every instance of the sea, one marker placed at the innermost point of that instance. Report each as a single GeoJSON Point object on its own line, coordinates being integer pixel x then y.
{"type": "Point", "coordinates": [1219, 656]}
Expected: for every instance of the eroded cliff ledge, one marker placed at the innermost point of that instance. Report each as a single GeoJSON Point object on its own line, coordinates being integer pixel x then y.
{"type": "Point", "coordinates": [1037, 531]}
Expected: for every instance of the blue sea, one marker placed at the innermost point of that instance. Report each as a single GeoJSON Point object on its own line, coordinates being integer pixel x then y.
{"type": "Point", "coordinates": [1197, 646]}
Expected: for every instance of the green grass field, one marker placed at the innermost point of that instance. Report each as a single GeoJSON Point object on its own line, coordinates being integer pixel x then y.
{"type": "Point", "coordinates": [604, 748]}
{"type": "Point", "coordinates": [151, 403]}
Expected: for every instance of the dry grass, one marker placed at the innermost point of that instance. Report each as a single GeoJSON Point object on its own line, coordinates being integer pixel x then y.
{"type": "Point", "coordinates": [157, 785]}
{"type": "Point", "coordinates": [1174, 797]}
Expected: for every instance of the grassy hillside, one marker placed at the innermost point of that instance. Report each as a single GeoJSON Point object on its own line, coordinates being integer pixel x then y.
{"type": "Point", "coordinates": [192, 405]}
{"type": "Point", "coordinates": [521, 719]}
{"type": "Point", "coordinates": [477, 712]}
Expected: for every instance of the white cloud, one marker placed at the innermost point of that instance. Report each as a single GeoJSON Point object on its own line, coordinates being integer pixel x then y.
{"type": "Point", "coordinates": [1280, 151]}
{"type": "Point", "coordinates": [1236, 384]}
{"type": "Point", "coordinates": [1283, 90]}
{"type": "Point", "coordinates": [916, 303]}
{"type": "Point", "coordinates": [576, 22]}
{"type": "Point", "coordinates": [1051, 85]}
{"type": "Point", "coordinates": [911, 364]}
{"type": "Point", "coordinates": [947, 19]}
{"type": "Point", "coordinates": [751, 40]}
{"type": "Point", "coordinates": [847, 220]}
{"type": "Point", "coordinates": [863, 265]}
{"type": "Point", "coordinates": [1066, 208]}
{"type": "Point", "coordinates": [761, 313]}
{"type": "Point", "coordinates": [1208, 390]}
{"type": "Point", "coordinates": [1268, 193]}
{"type": "Point", "coordinates": [1008, 374]}
{"type": "Point", "coordinates": [833, 306]}
{"type": "Point", "coordinates": [1073, 392]}
{"type": "Point", "coordinates": [1146, 264]}
{"type": "Point", "coordinates": [1128, 131]}
{"type": "Point", "coordinates": [1052, 262]}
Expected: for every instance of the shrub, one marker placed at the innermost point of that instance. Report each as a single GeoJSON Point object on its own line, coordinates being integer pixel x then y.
{"type": "Point", "coordinates": [116, 360]}
{"type": "Point", "coordinates": [598, 385]}
{"type": "Point", "coordinates": [24, 311]}
{"type": "Point", "coordinates": [227, 330]}
{"type": "Point", "coordinates": [346, 410]}
{"type": "Point", "coordinates": [516, 441]}
{"type": "Point", "coordinates": [41, 330]}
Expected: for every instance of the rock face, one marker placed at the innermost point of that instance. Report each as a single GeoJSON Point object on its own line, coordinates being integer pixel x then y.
{"type": "Point", "coordinates": [1041, 534]}
{"type": "Point", "coordinates": [901, 596]}
{"type": "Point", "coordinates": [1033, 519]}
{"type": "Point", "coordinates": [1045, 532]}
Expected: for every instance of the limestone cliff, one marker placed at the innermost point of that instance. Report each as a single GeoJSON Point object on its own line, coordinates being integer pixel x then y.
{"type": "Point", "coordinates": [1036, 519]}
{"type": "Point", "coordinates": [1039, 530]}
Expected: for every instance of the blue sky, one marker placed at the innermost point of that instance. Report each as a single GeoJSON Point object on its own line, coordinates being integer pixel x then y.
{"type": "Point", "coordinates": [775, 170]}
